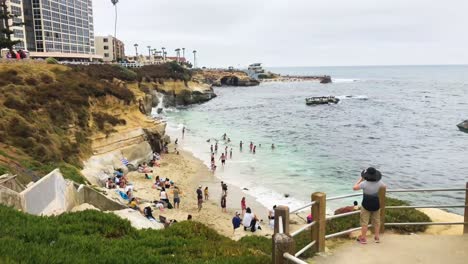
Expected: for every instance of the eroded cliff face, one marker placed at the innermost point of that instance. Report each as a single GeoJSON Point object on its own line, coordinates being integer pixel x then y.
{"type": "Point", "coordinates": [174, 93]}
{"type": "Point", "coordinates": [225, 78]}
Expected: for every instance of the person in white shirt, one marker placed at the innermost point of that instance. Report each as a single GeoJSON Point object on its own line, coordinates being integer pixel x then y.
{"type": "Point", "coordinates": [250, 220]}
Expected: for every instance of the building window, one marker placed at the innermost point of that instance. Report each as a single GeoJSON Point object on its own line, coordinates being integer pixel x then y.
{"type": "Point", "coordinates": [106, 47]}
{"type": "Point", "coordinates": [106, 55]}
{"type": "Point", "coordinates": [105, 40]}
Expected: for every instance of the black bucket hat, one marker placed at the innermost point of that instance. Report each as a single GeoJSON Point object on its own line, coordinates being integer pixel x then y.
{"type": "Point", "coordinates": [371, 174]}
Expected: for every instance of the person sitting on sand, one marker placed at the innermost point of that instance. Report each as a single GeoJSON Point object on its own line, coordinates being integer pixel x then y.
{"type": "Point", "coordinates": [149, 213]}
{"type": "Point", "coordinates": [236, 222]}
{"type": "Point", "coordinates": [206, 193]}
{"type": "Point", "coordinates": [167, 183]}
{"type": "Point", "coordinates": [159, 205]}
{"type": "Point", "coordinates": [134, 204]}
{"type": "Point", "coordinates": [110, 184]}
{"type": "Point", "coordinates": [250, 220]}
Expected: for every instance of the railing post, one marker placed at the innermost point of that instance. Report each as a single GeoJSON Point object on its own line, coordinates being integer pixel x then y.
{"type": "Point", "coordinates": [282, 241]}
{"type": "Point", "coordinates": [318, 215]}
{"type": "Point", "coordinates": [465, 226]}
{"type": "Point", "coordinates": [382, 201]}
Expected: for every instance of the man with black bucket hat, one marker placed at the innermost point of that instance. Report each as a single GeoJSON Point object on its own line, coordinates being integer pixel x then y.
{"type": "Point", "coordinates": [370, 183]}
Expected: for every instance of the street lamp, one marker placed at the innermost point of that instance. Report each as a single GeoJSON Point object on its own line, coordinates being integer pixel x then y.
{"type": "Point", "coordinates": [194, 59]}
{"type": "Point", "coordinates": [114, 2]}
{"type": "Point", "coordinates": [136, 49]}
{"type": "Point", "coordinates": [149, 52]}
{"type": "Point", "coordinates": [164, 53]}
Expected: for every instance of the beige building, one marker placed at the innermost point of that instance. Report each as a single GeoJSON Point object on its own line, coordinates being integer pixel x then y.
{"type": "Point", "coordinates": [110, 48]}
{"type": "Point", "coordinates": [15, 7]}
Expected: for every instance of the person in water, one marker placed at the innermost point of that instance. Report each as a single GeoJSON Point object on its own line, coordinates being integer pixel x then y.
{"type": "Point", "coordinates": [230, 154]}
{"type": "Point", "coordinates": [224, 136]}
{"type": "Point", "coordinates": [254, 149]}
{"type": "Point", "coordinates": [226, 150]}
{"type": "Point", "coordinates": [212, 158]}
{"type": "Point", "coordinates": [272, 146]}
{"type": "Point", "coordinates": [216, 147]}
{"type": "Point", "coordinates": [211, 149]}
{"type": "Point", "coordinates": [223, 159]}
{"type": "Point", "coordinates": [183, 131]}
{"type": "Point", "coordinates": [229, 140]}
{"type": "Point", "coordinates": [240, 145]}
{"type": "Point", "coordinates": [251, 146]}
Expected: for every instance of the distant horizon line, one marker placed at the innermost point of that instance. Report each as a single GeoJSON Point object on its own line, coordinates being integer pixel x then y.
{"type": "Point", "coordinates": [350, 66]}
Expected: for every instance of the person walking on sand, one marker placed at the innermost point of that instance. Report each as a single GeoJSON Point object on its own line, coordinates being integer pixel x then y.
{"type": "Point", "coordinates": [370, 183]}
{"type": "Point", "coordinates": [243, 206]}
{"type": "Point", "coordinates": [230, 154]}
{"type": "Point", "coordinates": [223, 159]}
{"type": "Point", "coordinates": [223, 204]}
{"type": "Point", "coordinates": [207, 194]}
{"type": "Point", "coordinates": [199, 198]}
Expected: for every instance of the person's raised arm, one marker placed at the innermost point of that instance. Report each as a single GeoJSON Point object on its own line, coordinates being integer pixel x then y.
{"type": "Point", "coordinates": [356, 186]}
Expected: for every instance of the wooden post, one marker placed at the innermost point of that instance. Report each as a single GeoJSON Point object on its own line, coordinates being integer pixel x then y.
{"type": "Point", "coordinates": [318, 215]}
{"type": "Point", "coordinates": [465, 226]}
{"type": "Point", "coordinates": [282, 242]}
{"type": "Point", "coordinates": [382, 201]}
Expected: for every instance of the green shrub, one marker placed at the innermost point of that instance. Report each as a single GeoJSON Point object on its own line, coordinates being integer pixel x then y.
{"type": "Point", "coordinates": [107, 72]}
{"type": "Point", "coordinates": [51, 60]}
{"type": "Point", "coordinates": [3, 170]}
{"type": "Point", "coordinates": [171, 70]}
{"type": "Point", "coordinates": [93, 236]}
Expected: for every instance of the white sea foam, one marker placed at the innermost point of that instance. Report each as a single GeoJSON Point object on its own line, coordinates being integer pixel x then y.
{"type": "Point", "coordinates": [350, 97]}
{"type": "Point", "coordinates": [344, 80]}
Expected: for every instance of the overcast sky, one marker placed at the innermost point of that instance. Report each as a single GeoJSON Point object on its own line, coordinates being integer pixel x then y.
{"type": "Point", "coordinates": [294, 32]}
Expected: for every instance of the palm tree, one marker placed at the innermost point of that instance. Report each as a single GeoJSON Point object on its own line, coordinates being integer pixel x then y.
{"type": "Point", "coordinates": [164, 53]}
{"type": "Point", "coordinates": [183, 53]}
{"type": "Point", "coordinates": [194, 59]}
{"type": "Point", "coordinates": [136, 49]}
{"type": "Point", "coordinates": [114, 2]}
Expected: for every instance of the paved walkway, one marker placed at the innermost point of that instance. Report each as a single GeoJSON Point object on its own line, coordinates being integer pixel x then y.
{"type": "Point", "coordinates": [401, 249]}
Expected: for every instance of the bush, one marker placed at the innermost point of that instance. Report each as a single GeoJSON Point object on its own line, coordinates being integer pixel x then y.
{"type": "Point", "coordinates": [91, 236]}
{"type": "Point", "coordinates": [171, 70]}
{"type": "Point", "coordinates": [102, 118]}
{"type": "Point", "coordinates": [107, 72]}
{"type": "Point", "coordinates": [31, 81]}
{"type": "Point", "coordinates": [51, 60]}
{"type": "Point", "coordinates": [3, 170]}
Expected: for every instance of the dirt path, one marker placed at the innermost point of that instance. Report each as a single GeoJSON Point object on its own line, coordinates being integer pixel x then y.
{"type": "Point", "coordinates": [402, 249]}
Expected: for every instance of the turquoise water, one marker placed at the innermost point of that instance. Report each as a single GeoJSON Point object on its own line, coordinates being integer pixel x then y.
{"type": "Point", "coordinates": [399, 119]}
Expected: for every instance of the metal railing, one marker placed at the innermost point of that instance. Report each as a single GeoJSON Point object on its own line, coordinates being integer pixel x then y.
{"type": "Point", "coordinates": [283, 240]}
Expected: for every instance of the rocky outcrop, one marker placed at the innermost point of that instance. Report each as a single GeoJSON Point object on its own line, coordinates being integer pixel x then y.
{"type": "Point", "coordinates": [225, 78]}
{"type": "Point", "coordinates": [175, 93]}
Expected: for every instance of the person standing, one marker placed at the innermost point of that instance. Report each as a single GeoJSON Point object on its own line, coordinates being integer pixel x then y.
{"type": "Point", "coordinates": [200, 198]}
{"type": "Point", "coordinates": [243, 206]}
{"type": "Point", "coordinates": [183, 132]}
{"type": "Point", "coordinates": [223, 204]}
{"type": "Point", "coordinates": [216, 147]}
{"type": "Point", "coordinates": [176, 193]}
{"type": "Point", "coordinates": [370, 183]}
{"type": "Point", "coordinates": [230, 154]}
{"type": "Point", "coordinates": [207, 194]}
{"type": "Point", "coordinates": [251, 146]}
{"type": "Point", "coordinates": [211, 148]}
{"type": "Point", "coordinates": [226, 151]}
{"type": "Point", "coordinates": [240, 145]}
{"type": "Point", "coordinates": [254, 149]}
{"type": "Point", "coordinates": [223, 159]}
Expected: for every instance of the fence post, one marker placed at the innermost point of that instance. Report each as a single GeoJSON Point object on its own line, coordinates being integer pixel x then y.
{"type": "Point", "coordinates": [282, 241]}
{"type": "Point", "coordinates": [382, 201]}
{"type": "Point", "coordinates": [465, 226]}
{"type": "Point", "coordinates": [318, 215]}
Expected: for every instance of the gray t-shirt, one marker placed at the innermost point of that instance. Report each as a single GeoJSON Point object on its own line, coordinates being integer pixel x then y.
{"type": "Point", "coordinates": [371, 188]}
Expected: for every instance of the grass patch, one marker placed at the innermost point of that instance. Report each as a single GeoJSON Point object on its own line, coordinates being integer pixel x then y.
{"type": "Point", "coordinates": [3, 170]}
{"type": "Point", "coordinates": [92, 236]}
{"type": "Point", "coordinates": [170, 70]}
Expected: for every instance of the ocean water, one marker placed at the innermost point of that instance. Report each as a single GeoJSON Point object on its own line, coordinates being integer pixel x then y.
{"type": "Point", "coordinates": [399, 119]}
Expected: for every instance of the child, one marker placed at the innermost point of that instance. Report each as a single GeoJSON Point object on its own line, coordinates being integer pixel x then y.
{"type": "Point", "coordinates": [206, 193]}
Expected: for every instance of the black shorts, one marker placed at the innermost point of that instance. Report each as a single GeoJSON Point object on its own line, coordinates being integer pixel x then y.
{"type": "Point", "coordinates": [176, 200]}
{"type": "Point", "coordinates": [223, 161]}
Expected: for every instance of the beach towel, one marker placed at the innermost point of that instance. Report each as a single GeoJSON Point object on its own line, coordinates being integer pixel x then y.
{"type": "Point", "coordinates": [122, 194]}
{"type": "Point", "coordinates": [124, 161]}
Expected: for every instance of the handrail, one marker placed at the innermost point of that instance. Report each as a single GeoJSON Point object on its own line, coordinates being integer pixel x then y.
{"type": "Point", "coordinates": [304, 249]}
{"type": "Point", "coordinates": [426, 223]}
{"type": "Point", "coordinates": [302, 207]}
{"type": "Point", "coordinates": [295, 233]}
{"type": "Point", "coordinates": [430, 190]}
{"type": "Point", "coordinates": [293, 258]}
{"type": "Point", "coordinates": [342, 215]}
{"type": "Point", "coordinates": [343, 196]}
{"type": "Point", "coordinates": [424, 206]}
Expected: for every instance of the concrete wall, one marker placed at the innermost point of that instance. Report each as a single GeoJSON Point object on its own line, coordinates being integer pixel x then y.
{"type": "Point", "coordinates": [10, 198]}
{"type": "Point", "coordinates": [49, 196]}
{"type": "Point", "coordinates": [100, 201]}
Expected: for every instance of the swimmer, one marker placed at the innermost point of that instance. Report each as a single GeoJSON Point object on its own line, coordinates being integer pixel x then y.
{"type": "Point", "coordinates": [223, 159]}
{"type": "Point", "coordinates": [229, 140]}
{"type": "Point", "coordinates": [224, 136]}
{"type": "Point", "coordinates": [240, 145]}
{"type": "Point", "coordinates": [272, 146]}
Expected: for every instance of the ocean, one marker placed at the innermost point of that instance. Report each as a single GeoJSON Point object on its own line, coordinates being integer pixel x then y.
{"type": "Point", "coordinates": [399, 119]}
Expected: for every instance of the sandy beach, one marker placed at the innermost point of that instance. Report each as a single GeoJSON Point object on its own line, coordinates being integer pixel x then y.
{"type": "Point", "coordinates": [188, 173]}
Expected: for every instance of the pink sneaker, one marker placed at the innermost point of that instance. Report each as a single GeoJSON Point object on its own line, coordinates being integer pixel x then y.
{"type": "Point", "coordinates": [361, 240]}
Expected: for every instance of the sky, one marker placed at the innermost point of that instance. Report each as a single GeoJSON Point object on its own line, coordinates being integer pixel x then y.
{"type": "Point", "coordinates": [294, 32]}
